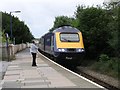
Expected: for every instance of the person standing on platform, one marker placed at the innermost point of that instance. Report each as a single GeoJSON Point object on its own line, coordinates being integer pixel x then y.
{"type": "Point", "coordinates": [33, 50]}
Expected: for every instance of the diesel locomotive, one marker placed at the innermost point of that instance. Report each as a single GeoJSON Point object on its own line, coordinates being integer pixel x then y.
{"type": "Point", "coordinates": [65, 44]}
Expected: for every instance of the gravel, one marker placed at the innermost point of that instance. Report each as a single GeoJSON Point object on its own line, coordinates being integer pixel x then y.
{"type": "Point", "coordinates": [107, 79]}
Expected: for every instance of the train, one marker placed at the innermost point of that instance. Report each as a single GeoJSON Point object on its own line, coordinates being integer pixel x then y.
{"type": "Point", "coordinates": [64, 44]}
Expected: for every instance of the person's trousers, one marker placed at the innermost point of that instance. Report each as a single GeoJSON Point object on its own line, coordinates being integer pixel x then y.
{"type": "Point", "coordinates": [34, 59]}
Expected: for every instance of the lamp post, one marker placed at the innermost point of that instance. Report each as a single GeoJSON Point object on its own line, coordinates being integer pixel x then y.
{"type": "Point", "coordinates": [11, 36]}
{"type": "Point", "coordinates": [8, 54]}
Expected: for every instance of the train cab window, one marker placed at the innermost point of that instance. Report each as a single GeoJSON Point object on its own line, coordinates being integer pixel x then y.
{"type": "Point", "coordinates": [69, 37]}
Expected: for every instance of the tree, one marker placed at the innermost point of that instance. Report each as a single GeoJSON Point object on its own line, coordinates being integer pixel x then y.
{"type": "Point", "coordinates": [118, 31]}
{"type": "Point", "coordinates": [93, 22]}
{"type": "Point", "coordinates": [62, 21]}
{"type": "Point", "coordinates": [21, 32]}
{"type": "Point", "coordinates": [112, 8]}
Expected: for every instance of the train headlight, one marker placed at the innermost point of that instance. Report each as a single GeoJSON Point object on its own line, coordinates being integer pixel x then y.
{"type": "Point", "coordinates": [61, 50]}
{"type": "Point", "coordinates": [80, 50]}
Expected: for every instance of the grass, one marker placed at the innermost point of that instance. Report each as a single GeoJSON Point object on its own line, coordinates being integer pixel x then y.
{"type": "Point", "coordinates": [110, 67]}
{"type": "Point", "coordinates": [105, 65]}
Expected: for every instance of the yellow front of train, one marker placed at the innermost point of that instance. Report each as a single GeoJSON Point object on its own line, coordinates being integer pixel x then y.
{"type": "Point", "coordinates": [69, 40]}
{"type": "Point", "coordinates": [70, 45]}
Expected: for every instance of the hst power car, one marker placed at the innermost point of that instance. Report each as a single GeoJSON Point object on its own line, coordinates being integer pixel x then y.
{"type": "Point", "coordinates": [65, 44]}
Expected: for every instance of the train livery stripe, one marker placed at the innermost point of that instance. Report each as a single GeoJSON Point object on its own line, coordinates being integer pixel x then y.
{"type": "Point", "coordinates": [69, 44]}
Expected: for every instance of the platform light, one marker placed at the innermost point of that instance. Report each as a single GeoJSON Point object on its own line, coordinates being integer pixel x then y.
{"type": "Point", "coordinates": [11, 36]}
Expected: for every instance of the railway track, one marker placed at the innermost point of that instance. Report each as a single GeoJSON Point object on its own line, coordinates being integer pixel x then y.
{"type": "Point", "coordinates": [98, 81]}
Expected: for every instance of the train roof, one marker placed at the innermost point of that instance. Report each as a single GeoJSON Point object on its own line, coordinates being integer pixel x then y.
{"type": "Point", "coordinates": [62, 29]}
{"type": "Point", "coordinates": [49, 33]}
{"type": "Point", "coordinates": [66, 29]}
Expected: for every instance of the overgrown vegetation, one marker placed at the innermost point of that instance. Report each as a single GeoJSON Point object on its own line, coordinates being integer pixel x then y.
{"type": "Point", "coordinates": [100, 27]}
{"type": "Point", "coordinates": [107, 66]}
{"type": "Point", "coordinates": [20, 30]}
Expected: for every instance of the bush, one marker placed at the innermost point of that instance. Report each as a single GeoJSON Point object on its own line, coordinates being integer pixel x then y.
{"type": "Point", "coordinates": [104, 58]}
{"type": "Point", "coordinates": [108, 66]}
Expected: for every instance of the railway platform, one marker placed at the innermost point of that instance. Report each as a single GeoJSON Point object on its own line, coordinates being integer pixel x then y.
{"type": "Point", "coordinates": [21, 74]}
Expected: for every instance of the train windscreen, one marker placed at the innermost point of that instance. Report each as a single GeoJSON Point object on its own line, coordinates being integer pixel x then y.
{"type": "Point", "coordinates": [69, 37]}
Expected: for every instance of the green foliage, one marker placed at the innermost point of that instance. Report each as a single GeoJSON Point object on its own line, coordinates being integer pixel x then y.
{"type": "Point", "coordinates": [107, 66]}
{"type": "Point", "coordinates": [114, 25]}
{"type": "Point", "coordinates": [62, 21]}
{"type": "Point", "coordinates": [0, 36]}
{"type": "Point", "coordinates": [20, 30]}
{"type": "Point", "coordinates": [118, 21]}
{"type": "Point", "coordinates": [103, 58]}
{"type": "Point", "coordinates": [3, 37]}
{"type": "Point", "coordinates": [93, 22]}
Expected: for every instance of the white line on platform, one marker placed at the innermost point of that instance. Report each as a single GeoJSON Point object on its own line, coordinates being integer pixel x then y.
{"type": "Point", "coordinates": [74, 73]}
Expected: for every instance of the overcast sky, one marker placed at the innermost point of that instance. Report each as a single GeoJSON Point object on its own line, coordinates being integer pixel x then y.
{"type": "Point", "coordinates": [39, 15]}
